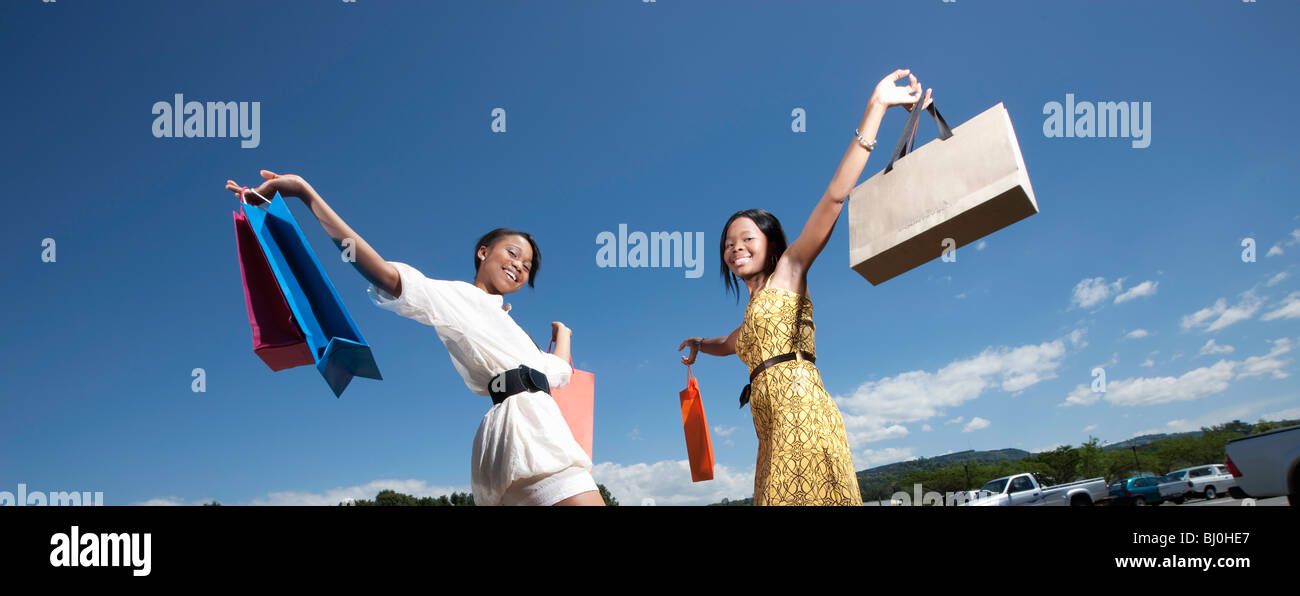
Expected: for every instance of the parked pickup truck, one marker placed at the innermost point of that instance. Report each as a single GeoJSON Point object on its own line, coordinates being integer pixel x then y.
{"type": "Point", "coordinates": [1030, 490]}
{"type": "Point", "coordinates": [1266, 464]}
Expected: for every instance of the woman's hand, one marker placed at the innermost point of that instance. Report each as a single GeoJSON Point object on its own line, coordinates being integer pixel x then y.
{"type": "Point", "coordinates": [694, 342]}
{"type": "Point", "coordinates": [887, 94]}
{"type": "Point", "coordinates": [558, 330]}
{"type": "Point", "coordinates": [288, 185]}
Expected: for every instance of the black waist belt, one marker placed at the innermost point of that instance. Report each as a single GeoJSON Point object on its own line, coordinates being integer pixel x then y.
{"type": "Point", "coordinates": [770, 362]}
{"type": "Point", "coordinates": [517, 380]}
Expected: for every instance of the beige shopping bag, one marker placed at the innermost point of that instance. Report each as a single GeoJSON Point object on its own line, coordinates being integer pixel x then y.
{"type": "Point", "coordinates": [950, 192]}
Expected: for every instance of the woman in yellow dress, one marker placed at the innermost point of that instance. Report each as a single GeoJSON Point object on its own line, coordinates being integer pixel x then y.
{"type": "Point", "coordinates": [803, 452]}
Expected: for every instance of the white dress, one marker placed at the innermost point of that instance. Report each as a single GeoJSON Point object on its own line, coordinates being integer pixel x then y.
{"type": "Point", "coordinates": [524, 452]}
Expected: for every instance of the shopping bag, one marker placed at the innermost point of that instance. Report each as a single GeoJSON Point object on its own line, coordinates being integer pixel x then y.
{"type": "Point", "coordinates": [699, 448]}
{"type": "Point", "coordinates": [336, 343]}
{"type": "Point", "coordinates": [577, 402]}
{"type": "Point", "coordinates": [277, 338]}
{"type": "Point", "coordinates": [948, 193]}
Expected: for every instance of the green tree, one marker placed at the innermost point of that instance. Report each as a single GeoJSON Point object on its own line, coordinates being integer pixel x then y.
{"type": "Point", "coordinates": [605, 494]}
{"type": "Point", "coordinates": [1062, 463]}
{"type": "Point", "coordinates": [1091, 463]}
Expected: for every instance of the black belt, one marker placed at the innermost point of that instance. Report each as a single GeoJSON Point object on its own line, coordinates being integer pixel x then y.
{"type": "Point", "coordinates": [517, 380]}
{"type": "Point", "coordinates": [770, 362]}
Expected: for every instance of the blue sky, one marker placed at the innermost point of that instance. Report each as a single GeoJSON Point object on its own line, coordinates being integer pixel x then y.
{"type": "Point", "coordinates": [664, 116]}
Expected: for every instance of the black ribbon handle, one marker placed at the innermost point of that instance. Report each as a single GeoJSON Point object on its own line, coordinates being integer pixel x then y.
{"type": "Point", "coordinates": [909, 132]}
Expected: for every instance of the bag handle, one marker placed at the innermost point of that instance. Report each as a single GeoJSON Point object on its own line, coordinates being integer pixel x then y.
{"type": "Point", "coordinates": [689, 374]}
{"type": "Point", "coordinates": [245, 189]}
{"type": "Point", "coordinates": [909, 132]}
{"type": "Point", "coordinates": [552, 345]}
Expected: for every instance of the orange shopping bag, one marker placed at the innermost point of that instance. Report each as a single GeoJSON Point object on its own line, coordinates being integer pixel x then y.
{"type": "Point", "coordinates": [577, 402]}
{"type": "Point", "coordinates": [698, 446]}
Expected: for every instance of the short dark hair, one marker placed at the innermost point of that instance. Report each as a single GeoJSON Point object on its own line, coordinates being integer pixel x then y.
{"type": "Point", "coordinates": [490, 238]}
{"type": "Point", "coordinates": [776, 245]}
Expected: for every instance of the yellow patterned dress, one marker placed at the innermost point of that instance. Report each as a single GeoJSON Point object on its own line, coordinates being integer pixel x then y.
{"type": "Point", "coordinates": [803, 453]}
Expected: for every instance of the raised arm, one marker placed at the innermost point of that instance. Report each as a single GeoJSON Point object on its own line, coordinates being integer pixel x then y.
{"type": "Point", "coordinates": [799, 257]}
{"type": "Point", "coordinates": [374, 268]}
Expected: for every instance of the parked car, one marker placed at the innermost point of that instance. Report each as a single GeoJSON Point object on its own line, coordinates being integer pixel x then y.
{"type": "Point", "coordinates": [1267, 464]}
{"type": "Point", "coordinates": [1174, 485]}
{"type": "Point", "coordinates": [1033, 490]}
{"type": "Point", "coordinates": [1210, 481]}
{"type": "Point", "coordinates": [1138, 490]}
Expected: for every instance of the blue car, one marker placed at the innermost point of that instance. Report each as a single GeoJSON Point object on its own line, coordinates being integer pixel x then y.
{"type": "Point", "coordinates": [1138, 490]}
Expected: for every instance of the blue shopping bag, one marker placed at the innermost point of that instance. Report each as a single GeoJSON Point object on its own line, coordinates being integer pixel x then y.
{"type": "Point", "coordinates": [336, 343]}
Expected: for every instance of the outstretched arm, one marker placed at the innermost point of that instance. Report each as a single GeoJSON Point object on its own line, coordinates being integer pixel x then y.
{"type": "Point", "coordinates": [804, 250]}
{"type": "Point", "coordinates": [374, 268]}
{"type": "Point", "coordinates": [714, 346]}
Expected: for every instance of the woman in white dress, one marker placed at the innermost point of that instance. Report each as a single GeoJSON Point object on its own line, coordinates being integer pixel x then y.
{"type": "Point", "coordinates": [524, 452]}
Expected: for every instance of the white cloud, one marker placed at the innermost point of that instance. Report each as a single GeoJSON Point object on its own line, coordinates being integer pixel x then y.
{"type": "Point", "coordinates": [1268, 364]}
{"type": "Point", "coordinates": [1146, 288]}
{"type": "Point", "coordinates": [334, 496]}
{"type": "Point", "coordinates": [635, 435]}
{"type": "Point", "coordinates": [1289, 309]}
{"type": "Point", "coordinates": [975, 424]}
{"type": "Point", "coordinates": [1211, 347]}
{"type": "Point", "coordinates": [1192, 385]}
{"type": "Point", "coordinates": [165, 502]}
{"type": "Point", "coordinates": [1288, 414]}
{"type": "Point", "coordinates": [877, 409]}
{"type": "Point", "coordinates": [1148, 363]}
{"type": "Point", "coordinates": [871, 458]}
{"type": "Point", "coordinates": [1092, 291]}
{"type": "Point", "coordinates": [1220, 315]}
{"type": "Point", "coordinates": [1277, 248]}
{"type": "Point", "coordinates": [1081, 395]}
{"type": "Point", "coordinates": [926, 428]}
{"type": "Point", "coordinates": [1245, 412]}
{"type": "Point", "coordinates": [1276, 279]}
{"type": "Point", "coordinates": [957, 420]}
{"type": "Point", "coordinates": [1076, 337]}
{"type": "Point", "coordinates": [669, 483]}
{"type": "Point", "coordinates": [1137, 334]}
{"type": "Point", "coordinates": [1089, 428]}
{"type": "Point", "coordinates": [725, 432]}
{"type": "Point", "coordinates": [981, 245]}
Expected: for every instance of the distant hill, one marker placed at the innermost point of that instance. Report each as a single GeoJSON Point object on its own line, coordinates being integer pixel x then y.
{"type": "Point", "coordinates": [1145, 440]}
{"type": "Point", "coordinates": [902, 468]}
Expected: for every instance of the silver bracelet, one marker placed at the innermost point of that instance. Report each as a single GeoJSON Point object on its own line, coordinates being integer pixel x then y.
{"type": "Point", "coordinates": [868, 145]}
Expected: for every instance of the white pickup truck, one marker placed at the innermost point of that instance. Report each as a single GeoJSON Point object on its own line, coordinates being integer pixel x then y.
{"type": "Point", "coordinates": [1029, 490]}
{"type": "Point", "coordinates": [1267, 464]}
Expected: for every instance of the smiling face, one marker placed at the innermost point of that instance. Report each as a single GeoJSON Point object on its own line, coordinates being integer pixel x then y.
{"type": "Point", "coordinates": [505, 265]}
{"type": "Point", "coordinates": [744, 248]}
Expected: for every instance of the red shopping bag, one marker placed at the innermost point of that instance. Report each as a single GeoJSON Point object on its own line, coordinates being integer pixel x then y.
{"type": "Point", "coordinates": [277, 338]}
{"type": "Point", "coordinates": [577, 402]}
{"type": "Point", "coordinates": [699, 448]}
